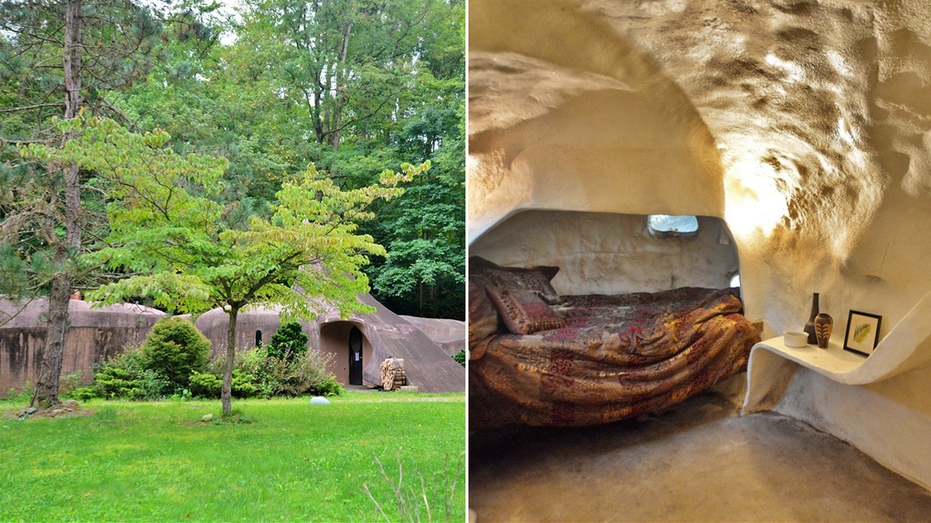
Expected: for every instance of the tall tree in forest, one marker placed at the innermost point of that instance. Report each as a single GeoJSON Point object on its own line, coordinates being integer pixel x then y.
{"type": "Point", "coordinates": [346, 61]}
{"type": "Point", "coordinates": [174, 244]}
{"type": "Point", "coordinates": [74, 52]}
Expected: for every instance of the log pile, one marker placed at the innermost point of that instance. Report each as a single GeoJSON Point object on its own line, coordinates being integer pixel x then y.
{"type": "Point", "coordinates": [392, 374]}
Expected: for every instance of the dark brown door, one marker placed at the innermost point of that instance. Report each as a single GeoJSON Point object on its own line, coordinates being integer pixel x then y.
{"type": "Point", "coordinates": [355, 357]}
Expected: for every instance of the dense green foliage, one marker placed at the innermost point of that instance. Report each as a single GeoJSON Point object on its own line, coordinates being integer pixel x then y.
{"type": "Point", "coordinates": [288, 342]}
{"type": "Point", "coordinates": [293, 462]}
{"type": "Point", "coordinates": [259, 373]}
{"type": "Point", "coordinates": [176, 247]}
{"type": "Point", "coordinates": [460, 357]}
{"type": "Point", "coordinates": [175, 349]}
{"type": "Point", "coordinates": [116, 48]}
{"type": "Point", "coordinates": [125, 376]}
{"type": "Point", "coordinates": [282, 95]}
{"type": "Point", "coordinates": [205, 385]}
{"type": "Point", "coordinates": [143, 373]}
{"type": "Point", "coordinates": [353, 87]}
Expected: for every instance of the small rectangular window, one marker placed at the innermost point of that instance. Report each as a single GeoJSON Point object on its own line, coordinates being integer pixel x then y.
{"type": "Point", "coordinates": [667, 224]}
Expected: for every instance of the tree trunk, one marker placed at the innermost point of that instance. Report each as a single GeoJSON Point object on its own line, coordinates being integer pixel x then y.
{"type": "Point", "coordinates": [226, 392]}
{"type": "Point", "coordinates": [335, 132]}
{"type": "Point", "coordinates": [46, 393]}
{"type": "Point", "coordinates": [420, 294]}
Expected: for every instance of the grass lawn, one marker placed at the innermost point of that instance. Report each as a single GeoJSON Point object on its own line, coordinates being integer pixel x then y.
{"type": "Point", "coordinates": [292, 462]}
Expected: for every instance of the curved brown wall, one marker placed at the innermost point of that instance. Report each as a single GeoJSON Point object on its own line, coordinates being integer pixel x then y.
{"type": "Point", "coordinates": [94, 335]}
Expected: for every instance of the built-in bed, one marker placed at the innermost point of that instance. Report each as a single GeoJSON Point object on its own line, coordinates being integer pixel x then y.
{"type": "Point", "coordinates": [539, 358]}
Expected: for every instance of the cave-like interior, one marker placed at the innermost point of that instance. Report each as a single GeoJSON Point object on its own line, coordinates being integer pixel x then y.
{"type": "Point", "coordinates": [804, 126]}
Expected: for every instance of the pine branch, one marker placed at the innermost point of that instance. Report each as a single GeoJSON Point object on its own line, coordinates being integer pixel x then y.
{"type": "Point", "coordinates": [30, 107]}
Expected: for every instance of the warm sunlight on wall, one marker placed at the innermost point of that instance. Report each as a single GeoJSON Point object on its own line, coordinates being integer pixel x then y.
{"type": "Point", "coordinates": [753, 204]}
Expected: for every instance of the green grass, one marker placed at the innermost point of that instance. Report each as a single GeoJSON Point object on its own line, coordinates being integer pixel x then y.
{"type": "Point", "coordinates": [292, 462]}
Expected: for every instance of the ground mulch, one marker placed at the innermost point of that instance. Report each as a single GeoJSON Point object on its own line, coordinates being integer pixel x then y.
{"type": "Point", "coordinates": [57, 411]}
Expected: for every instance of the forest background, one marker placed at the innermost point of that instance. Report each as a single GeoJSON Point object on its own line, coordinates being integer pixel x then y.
{"type": "Point", "coordinates": [352, 86]}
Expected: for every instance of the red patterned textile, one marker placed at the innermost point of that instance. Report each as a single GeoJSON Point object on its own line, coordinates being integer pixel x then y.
{"type": "Point", "coordinates": [618, 357]}
{"type": "Point", "coordinates": [523, 311]}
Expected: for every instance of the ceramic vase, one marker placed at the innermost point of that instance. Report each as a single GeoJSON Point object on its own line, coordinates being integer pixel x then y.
{"type": "Point", "coordinates": [824, 324]}
{"type": "Point", "coordinates": [810, 326]}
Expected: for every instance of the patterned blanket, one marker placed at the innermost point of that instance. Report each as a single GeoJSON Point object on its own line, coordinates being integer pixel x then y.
{"type": "Point", "coordinates": [618, 357]}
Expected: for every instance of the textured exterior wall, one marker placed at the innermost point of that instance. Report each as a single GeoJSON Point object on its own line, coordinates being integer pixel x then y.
{"type": "Point", "coordinates": [94, 336]}
{"type": "Point", "coordinates": [450, 335]}
{"type": "Point", "coordinates": [385, 334]}
{"type": "Point", "coordinates": [601, 253]}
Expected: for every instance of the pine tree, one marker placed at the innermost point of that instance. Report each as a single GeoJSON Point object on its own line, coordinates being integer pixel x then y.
{"type": "Point", "coordinates": [75, 53]}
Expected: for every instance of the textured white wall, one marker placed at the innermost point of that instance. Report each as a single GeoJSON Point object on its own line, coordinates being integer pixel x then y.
{"type": "Point", "coordinates": [806, 125]}
{"type": "Point", "coordinates": [600, 253]}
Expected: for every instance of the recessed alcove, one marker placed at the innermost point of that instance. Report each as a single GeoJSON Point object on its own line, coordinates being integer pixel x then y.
{"type": "Point", "coordinates": [612, 253]}
{"type": "Point", "coordinates": [352, 349]}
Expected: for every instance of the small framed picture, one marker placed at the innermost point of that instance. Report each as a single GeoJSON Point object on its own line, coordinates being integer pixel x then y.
{"type": "Point", "coordinates": [862, 332]}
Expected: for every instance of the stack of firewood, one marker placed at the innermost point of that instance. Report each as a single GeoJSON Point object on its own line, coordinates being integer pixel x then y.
{"type": "Point", "coordinates": [392, 374]}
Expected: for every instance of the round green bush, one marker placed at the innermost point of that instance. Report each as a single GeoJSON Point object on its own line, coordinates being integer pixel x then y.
{"type": "Point", "coordinates": [288, 342]}
{"type": "Point", "coordinates": [175, 349]}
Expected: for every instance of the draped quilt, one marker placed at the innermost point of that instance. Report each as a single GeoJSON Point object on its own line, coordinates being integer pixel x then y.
{"type": "Point", "coordinates": [615, 358]}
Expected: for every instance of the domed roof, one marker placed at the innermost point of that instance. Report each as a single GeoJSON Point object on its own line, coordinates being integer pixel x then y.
{"type": "Point", "coordinates": [24, 314]}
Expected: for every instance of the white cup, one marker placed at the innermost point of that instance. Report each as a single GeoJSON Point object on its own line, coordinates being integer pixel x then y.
{"type": "Point", "coordinates": [796, 339]}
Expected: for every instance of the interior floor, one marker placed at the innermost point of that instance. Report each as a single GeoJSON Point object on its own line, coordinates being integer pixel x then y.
{"type": "Point", "coordinates": [697, 462]}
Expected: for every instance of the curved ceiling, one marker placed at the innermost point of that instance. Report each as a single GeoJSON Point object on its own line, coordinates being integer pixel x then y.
{"type": "Point", "coordinates": [805, 123]}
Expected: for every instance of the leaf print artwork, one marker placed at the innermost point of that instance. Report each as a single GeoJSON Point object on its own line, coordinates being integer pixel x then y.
{"type": "Point", "coordinates": [861, 332]}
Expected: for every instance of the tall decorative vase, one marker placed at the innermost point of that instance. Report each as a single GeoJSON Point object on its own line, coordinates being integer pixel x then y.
{"type": "Point", "coordinates": [810, 326]}
{"type": "Point", "coordinates": [824, 324]}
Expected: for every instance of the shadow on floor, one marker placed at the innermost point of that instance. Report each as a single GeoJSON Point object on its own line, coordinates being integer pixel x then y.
{"type": "Point", "coordinates": [698, 462]}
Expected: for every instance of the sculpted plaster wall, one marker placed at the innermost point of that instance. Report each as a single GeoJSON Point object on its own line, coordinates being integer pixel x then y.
{"type": "Point", "coordinates": [601, 253]}
{"type": "Point", "coordinates": [806, 125]}
{"type": "Point", "coordinates": [94, 335]}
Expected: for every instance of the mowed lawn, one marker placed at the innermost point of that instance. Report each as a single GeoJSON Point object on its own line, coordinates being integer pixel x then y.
{"type": "Point", "coordinates": [292, 462]}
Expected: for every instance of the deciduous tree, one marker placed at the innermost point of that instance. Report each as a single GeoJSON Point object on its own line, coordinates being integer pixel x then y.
{"type": "Point", "coordinates": [171, 239]}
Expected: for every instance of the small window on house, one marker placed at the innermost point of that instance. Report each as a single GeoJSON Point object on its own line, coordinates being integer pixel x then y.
{"type": "Point", "coordinates": [670, 225]}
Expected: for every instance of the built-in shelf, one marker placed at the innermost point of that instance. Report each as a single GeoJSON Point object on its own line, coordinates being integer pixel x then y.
{"type": "Point", "coordinates": [833, 362]}
{"type": "Point", "coordinates": [906, 347]}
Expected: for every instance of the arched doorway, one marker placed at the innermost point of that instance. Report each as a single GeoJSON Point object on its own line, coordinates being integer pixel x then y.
{"type": "Point", "coordinates": [343, 339]}
{"type": "Point", "coordinates": [355, 356]}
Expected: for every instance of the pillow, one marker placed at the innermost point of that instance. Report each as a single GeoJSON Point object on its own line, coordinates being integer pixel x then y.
{"type": "Point", "coordinates": [483, 317]}
{"type": "Point", "coordinates": [523, 311]}
{"type": "Point", "coordinates": [536, 279]}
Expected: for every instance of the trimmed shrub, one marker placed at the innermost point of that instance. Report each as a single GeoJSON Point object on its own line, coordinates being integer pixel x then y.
{"type": "Point", "coordinates": [244, 384]}
{"type": "Point", "coordinates": [125, 376]}
{"type": "Point", "coordinates": [175, 349]}
{"type": "Point", "coordinates": [330, 387]}
{"type": "Point", "coordinates": [84, 393]}
{"type": "Point", "coordinates": [205, 385]}
{"type": "Point", "coordinates": [289, 342]}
